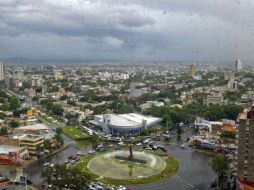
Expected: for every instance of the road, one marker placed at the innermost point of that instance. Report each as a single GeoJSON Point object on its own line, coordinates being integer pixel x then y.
{"type": "Point", "coordinates": [194, 173]}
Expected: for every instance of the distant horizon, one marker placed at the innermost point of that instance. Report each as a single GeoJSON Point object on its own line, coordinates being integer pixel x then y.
{"type": "Point", "coordinates": [17, 60]}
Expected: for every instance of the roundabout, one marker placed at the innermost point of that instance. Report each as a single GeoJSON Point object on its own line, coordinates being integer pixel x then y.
{"type": "Point", "coordinates": [124, 167]}
{"type": "Point", "coordinates": [106, 165]}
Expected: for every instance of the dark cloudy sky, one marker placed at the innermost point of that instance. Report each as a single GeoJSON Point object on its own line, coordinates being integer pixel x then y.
{"type": "Point", "coordinates": [215, 30]}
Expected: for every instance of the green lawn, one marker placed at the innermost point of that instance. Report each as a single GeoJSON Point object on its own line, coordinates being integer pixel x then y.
{"type": "Point", "coordinates": [76, 134]}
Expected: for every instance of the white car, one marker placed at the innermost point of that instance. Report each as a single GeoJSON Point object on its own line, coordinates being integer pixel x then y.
{"type": "Point", "coordinates": [46, 164]}
{"type": "Point", "coordinates": [139, 144]}
{"type": "Point", "coordinates": [121, 188]}
{"type": "Point", "coordinates": [91, 151]}
{"type": "Point", "coordinates": [79, 153]}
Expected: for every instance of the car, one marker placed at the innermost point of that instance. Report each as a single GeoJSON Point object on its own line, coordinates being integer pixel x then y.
{"type": "Point", "coordinates": [139, 144]}
{"type": "Point", "coordinates": [73, 161]}
{"type": "Point", "coordinates": [121, 188]}
{"type": "Point", "coordinates": [79, 153]}
{"type": "Point", "coordinates": [154, 147]}
{"type": "Point", "coordinates": [166, 135]}
{"type": "Point", "coordinates": [182, 146]}
{"type": "Point", "coordinates": [46, 164]}
{"type": "Point", "coordinates": [91, 151]}
{"type": "Point", "coordinates": [52, 165]}
{"type": "Point", "coordinates": [96, 186]}
{"type": "Point", "coordinates": [66, 161]}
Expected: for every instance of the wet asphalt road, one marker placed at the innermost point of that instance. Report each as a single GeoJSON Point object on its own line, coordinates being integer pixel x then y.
{"type": "Point", "coordinates": [194, 173]}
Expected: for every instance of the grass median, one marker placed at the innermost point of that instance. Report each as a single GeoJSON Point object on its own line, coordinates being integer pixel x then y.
{"type": "Point", "coordinates": [82, 139]}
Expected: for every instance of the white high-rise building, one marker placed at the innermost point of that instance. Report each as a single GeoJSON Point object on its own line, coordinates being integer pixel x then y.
{"type": "Point", "coordinates": [238, 65]}
{"type": "Point", "coordinates": [1, 70]}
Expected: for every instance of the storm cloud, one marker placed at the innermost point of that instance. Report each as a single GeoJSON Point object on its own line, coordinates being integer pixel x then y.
{"type": "Point", "coordinates": [218, 30]}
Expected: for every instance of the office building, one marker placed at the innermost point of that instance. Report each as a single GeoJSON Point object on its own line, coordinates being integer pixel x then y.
{"type": "Point", "coordinates": [245, 146]}
{"type": "Point", "coordinates": [192, 70]}
{"type": "Point", "coordinates": [238, 65]}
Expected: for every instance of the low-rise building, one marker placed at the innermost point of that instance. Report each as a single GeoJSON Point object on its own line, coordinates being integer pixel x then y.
{"type": "Point", "coordinates": [214, 99]}
{"type": "Point", "coordinates": [124, 124]}
{"type": "Point", "coordinates": [32, 142]}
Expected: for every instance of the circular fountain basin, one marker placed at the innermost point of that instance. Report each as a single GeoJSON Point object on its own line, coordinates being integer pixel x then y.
{"type": "Point", "coordinates": [106, 165]}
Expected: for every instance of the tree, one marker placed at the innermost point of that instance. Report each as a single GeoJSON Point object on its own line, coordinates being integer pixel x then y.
{"type": "Point", "coordinates": [2, 115]}
{"type": "Point", "coordinates": [94, 139]}
{"type": "Point", "coordinates": [3, 131]}
{"type": "Point", "coordinates": [62, 177]}
{"type": "Point", "coordinates": [64, 97]}
{"type": "Point", "coordinates": [47, 144]}
{"type": "Point", "coordinates": [14, 103]}
{"type": "Point", "coordinates": [59, 131]}
{"type": "Point", "coordinates": [5, 107]}
{"type": "Point", "coordinates": [59, 139]}
{"type": "Point", "coordinates": [35, 98]}
{"type": "Point", "coordinates": [14, 123]}
{"type": "Point", "coordinates": [57, 109]}
{"type": "Point", "coordinates": [179, 132]}
{"type": "Point", "coordinates": [220, 164]}
{"type": "Point", "coordinates": [228, 134]}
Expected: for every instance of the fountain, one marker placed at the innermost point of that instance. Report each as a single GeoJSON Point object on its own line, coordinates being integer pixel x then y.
{"type": "Point", "coordinates": [130, 158]}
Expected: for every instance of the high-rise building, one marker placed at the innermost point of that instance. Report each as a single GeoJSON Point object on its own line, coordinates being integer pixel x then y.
{"type": "Point", "coordinates": [137, 89]}
{"type": "Point", "coordinates": [233, 85]}
{"type": "Point", "coordinates": [192, 70]}
{"type": "Point", "coordinates": [245, 146]}
{"type": "Point", "coordinates": [238, 65]}
{"type": "Point", "coordinates": [2, 77]}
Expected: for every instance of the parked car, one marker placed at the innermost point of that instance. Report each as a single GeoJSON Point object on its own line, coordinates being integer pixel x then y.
{"type": "Point", "coordinates": [46, 164]}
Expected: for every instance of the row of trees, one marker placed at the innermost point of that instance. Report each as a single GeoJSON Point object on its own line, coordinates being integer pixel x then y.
{"type": "Point", "coordinates": [187, 114]}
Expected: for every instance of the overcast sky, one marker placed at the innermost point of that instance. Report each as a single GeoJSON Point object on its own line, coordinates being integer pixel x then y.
{"type": "Point", "coordinates": [212, 30]}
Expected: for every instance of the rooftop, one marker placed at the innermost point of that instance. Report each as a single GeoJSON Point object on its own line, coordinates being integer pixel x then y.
{"type": "Point", "coordinates": [27, 137]}
{"type": "Point", "coordinates": [130, 119]}
{"type": "Point", "coordinates": [37, 126]}
{"type": "Point", "coordinates": [5, 149]}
